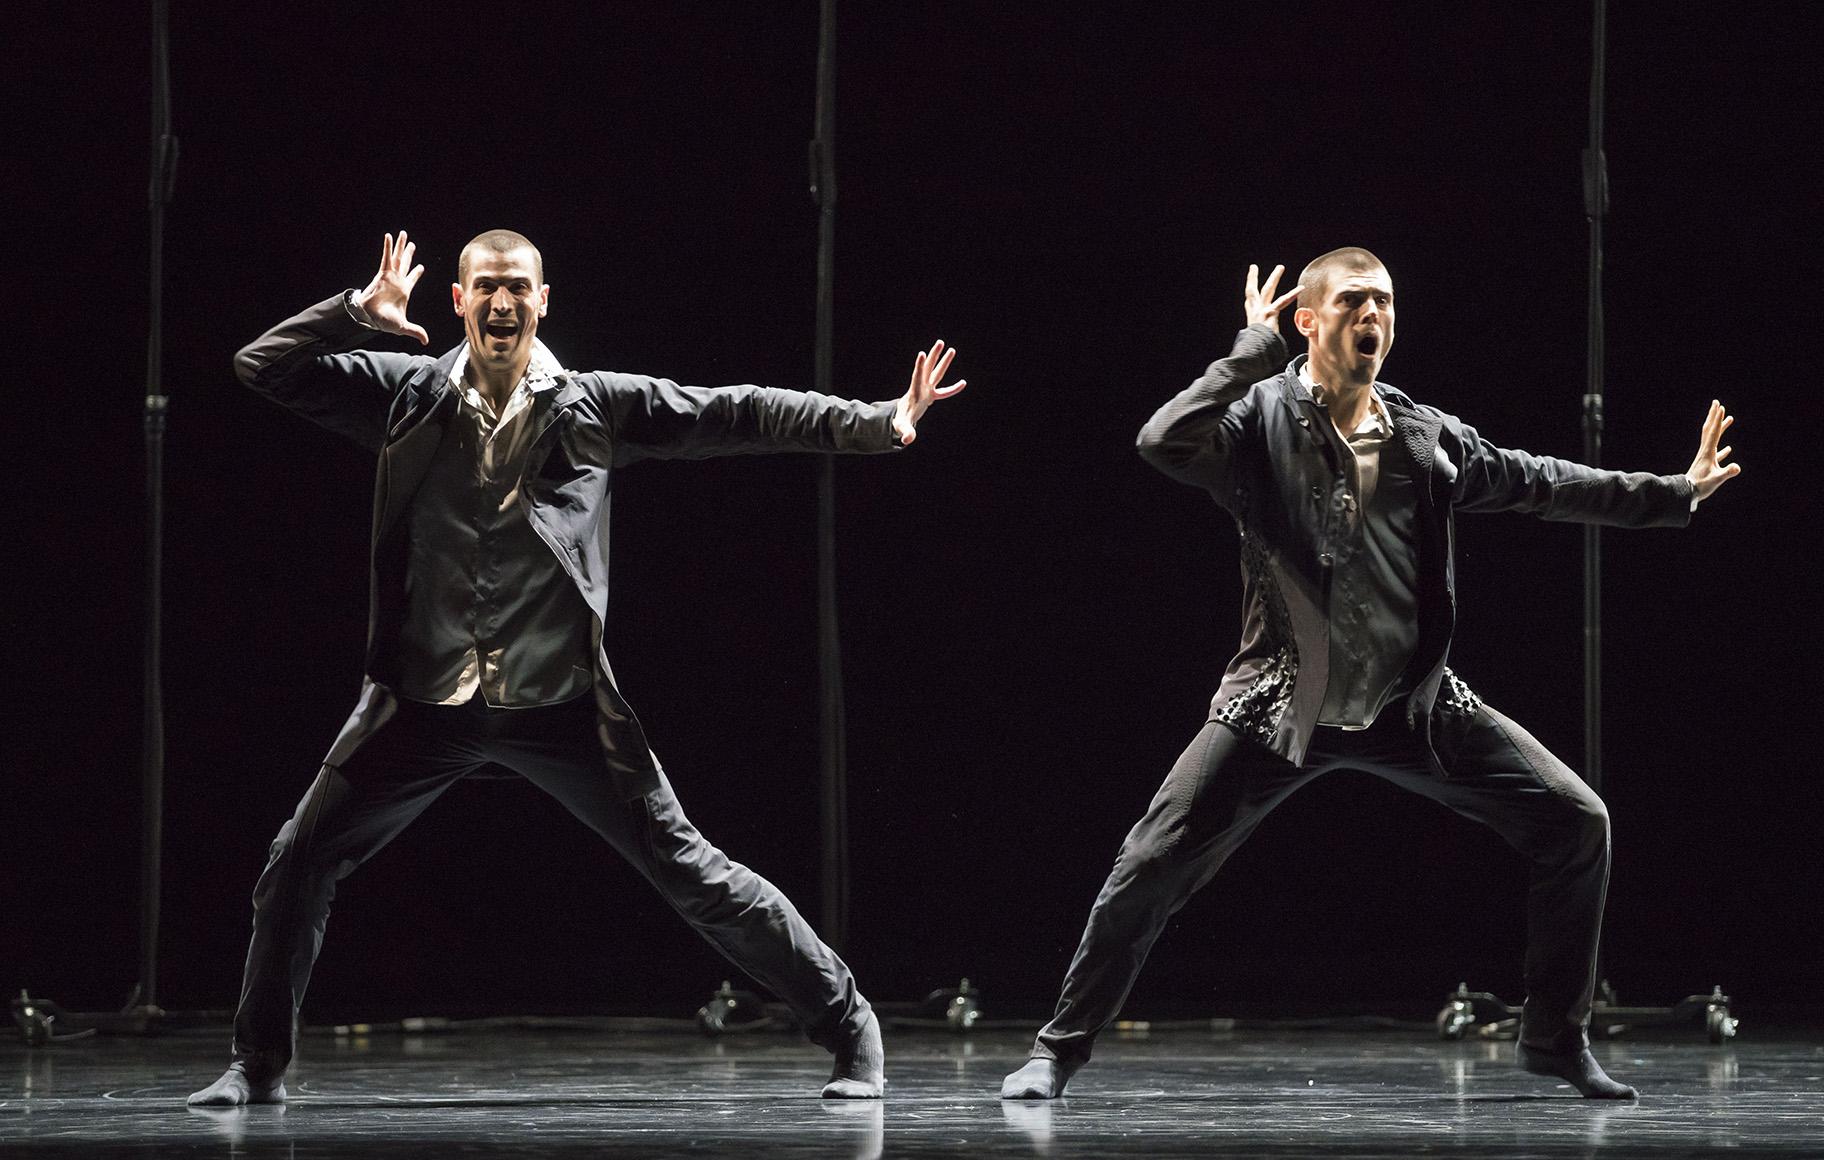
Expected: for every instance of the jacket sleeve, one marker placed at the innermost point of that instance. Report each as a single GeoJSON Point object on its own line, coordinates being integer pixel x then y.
{"type": "Point", "coordinates": [305, 364]}
{"type": "Point", "coordinates": [659, 419]}
{"type": "Point", "coordinates": [1492, 479]}
{"type": "Point", "coordinates": [1194, 437]}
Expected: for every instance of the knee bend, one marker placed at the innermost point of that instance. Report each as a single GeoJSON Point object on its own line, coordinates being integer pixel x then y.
{"type": "Point", "coordinates": [288, 877]}
{"type": "Point", "coordinates": [1150, 861]}
{"type": "Point", "coordinates": [708, 907]}
{"type": "Point", "coordinates": [701, 883]}
{"type": "Point", "coordinates": [1590, 824]}
{"type": "Point", "coordinates": [707, 904]}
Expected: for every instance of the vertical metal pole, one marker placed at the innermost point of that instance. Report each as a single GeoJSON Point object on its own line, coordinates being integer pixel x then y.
{"type": "Point", "coordinates": [152, 804]}
{"type": "Point", "coordinates": [832, 721]}
{"type": "Point", "coordinates": [1595, 207]}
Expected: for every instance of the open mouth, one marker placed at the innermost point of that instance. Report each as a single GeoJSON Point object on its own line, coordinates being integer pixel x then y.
{"type": "Point", "coordinates": [1368, 344]}
{"type": "Point", "coordinates": [501, 329]}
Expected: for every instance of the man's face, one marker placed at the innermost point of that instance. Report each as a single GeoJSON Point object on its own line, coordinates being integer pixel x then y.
{"type": "Point", "coordinates": [500, 303]}
{"type": "Point", "coordinates": [1350, 331]}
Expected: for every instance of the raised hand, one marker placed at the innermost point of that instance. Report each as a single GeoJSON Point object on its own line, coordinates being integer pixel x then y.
{"type": "Point", "coordinates": [386, 296]}
{"type": "Point", "coordinates": [1262, 308]}
{"type": "Point", "coordinates": [1707, 471]}
{"type": "Point", "coordinates": [927, 374]}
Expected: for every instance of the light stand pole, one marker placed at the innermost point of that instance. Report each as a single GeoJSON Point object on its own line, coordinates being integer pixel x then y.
{"type": "Point", "coordinates": [163, 175]}
{"type": "Point", "coordinates": [1595, 208]}
{"type": "Point", "coordinates": [38, 1019]}
{"type": "Point", "coordinates": [832, 718]}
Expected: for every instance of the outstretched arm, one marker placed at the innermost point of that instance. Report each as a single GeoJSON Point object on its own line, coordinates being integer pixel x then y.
{"type": "Point", "coordinates": [1497, 479]}
{"type": "Point", "coordinates": [1192, 437]}
{"type": "Point", "coordinates": [649, 418]}
{"type": "Point", "coordinates": [1707, 471]}
{"type": "Point", "coordinates": [659, 419]}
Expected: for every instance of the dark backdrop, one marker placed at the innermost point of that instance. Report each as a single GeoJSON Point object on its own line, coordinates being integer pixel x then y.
{"type": "Point", "coordinates": [1033, 619]}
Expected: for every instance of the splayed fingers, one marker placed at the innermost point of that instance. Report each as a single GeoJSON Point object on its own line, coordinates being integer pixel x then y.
{"type": "Point", "coordinates": [927, 387]}
{"type": "Point", "coordinates": [1259, 302]}
{"type": "Point", "coordinates": [386, 297]}
{"type": "Point", "coordinates": [1708, 472]}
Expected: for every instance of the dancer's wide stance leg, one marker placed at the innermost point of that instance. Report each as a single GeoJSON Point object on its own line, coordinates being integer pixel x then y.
{"type": "Point", "coordinates": [1494, 772]}
{"type": "Point", "coordinates": [1217, 792]}
{"type": "Point", "coordinates": [745, 917]}
{"type": "Point", "coordinates": [349, 814]}
{"type": "Point", "coordinates": [346, 816]}
{"type": "Point", "coordinates": [1501, 776]}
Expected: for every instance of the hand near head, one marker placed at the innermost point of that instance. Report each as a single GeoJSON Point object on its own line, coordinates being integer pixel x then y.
{"type": "Point", "coordinates": [1707, 471]}
{"type": "Point", "coordinates": [1262, 308]}
{"type": "Point", "coordinates": [386, 296]}
{"type": "Point", "coordinates": [927, 375]}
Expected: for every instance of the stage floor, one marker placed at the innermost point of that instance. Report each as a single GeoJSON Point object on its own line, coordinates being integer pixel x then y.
{"type": "Point", "coordinates": [671, 1094]}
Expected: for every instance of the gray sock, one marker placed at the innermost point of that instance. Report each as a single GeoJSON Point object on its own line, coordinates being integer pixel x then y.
{"type": "Point", "coordinates": [1042, 1078]}
{"type": "Point", "coordinates": [1577, 1068]}
{"type": "Point", "coordinates": [236, 1088]}
{"type": "Point", "coordinates": [861, 1066]}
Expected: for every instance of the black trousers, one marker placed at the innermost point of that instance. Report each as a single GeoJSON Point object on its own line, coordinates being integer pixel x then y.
{"type": "Point", "coordinates": [349, 813]}
{"type": "Point", "coordinates": [1221, 788]}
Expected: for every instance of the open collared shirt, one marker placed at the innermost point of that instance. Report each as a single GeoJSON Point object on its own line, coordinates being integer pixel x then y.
{"type": "Point", "coordinates": [1373, 607]}
{"type": "Point", "coordinates": [489, 609]}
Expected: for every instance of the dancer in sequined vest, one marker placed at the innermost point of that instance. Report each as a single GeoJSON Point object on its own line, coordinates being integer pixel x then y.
{"type": "Point", "coordinates": [1345, 492]}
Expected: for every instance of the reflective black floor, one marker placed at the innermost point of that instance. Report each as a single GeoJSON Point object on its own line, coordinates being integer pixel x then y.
{"type": "Point", "coordinates": [1277, 1094]}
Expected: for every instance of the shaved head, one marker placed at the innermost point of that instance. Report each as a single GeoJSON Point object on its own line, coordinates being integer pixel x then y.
{"type": "Point", "coordinates": [499, 242]}
{"type": "Point", "coordinates": [1316, 279]}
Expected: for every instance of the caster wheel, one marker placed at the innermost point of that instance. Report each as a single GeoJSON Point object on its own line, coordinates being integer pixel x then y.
{"type": "Point", "coordinates": [1455, 1019]}
{"type": "Point", "coordinates": [1719, 1024]}
{"type": "Point", "coordinates": [728, 1011]}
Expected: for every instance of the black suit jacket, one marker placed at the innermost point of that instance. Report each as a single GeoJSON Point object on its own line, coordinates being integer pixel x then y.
{"type": "Point", "coordinates": [1268, 454]}
{"type": "Point", "coordinates": [398, 406]}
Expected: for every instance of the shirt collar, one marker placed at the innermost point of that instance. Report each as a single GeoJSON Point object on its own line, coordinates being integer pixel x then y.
{"type": "Point", "coordinates": [1378, 422]}
{"type": "Point", "coordinates": [543, 373]}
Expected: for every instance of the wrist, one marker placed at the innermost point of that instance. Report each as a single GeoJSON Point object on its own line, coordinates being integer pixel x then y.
{"type": "Point", "coordinates": [355, 302]}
